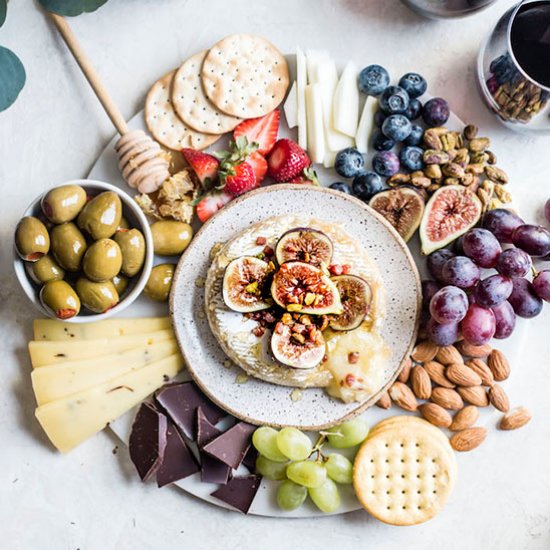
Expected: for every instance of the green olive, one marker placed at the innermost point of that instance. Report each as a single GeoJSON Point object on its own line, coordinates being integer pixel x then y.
{"type": "Point", "coordinates": [97, 297]}
{"type": "Point", "coordinates": [32, 240]}
{"type": "Point", "coordinates": [171, 238]}
{"type": "Point", "coordinates": [159, 282]}
{"type": "Point", "coordinates": [68, 246]}
{"type": "Point", "coordinates": [46, 269]}
{"type": "Point", "coordinates": [102, 260]}
{"type": "Point", "coordinates": [101, 216]}
{"type": "Point", "coordinates": [132, 245]}
{"type": "Point", "coordinates": [120, 282]}
{"type": "Point", "coordinates": [63, 204]}
{"type": "Point", "coordinates": [59, 297]}
{"type": "Point", "coordinates": [123, 224]}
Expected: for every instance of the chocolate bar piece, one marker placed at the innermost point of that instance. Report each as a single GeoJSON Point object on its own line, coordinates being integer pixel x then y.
{"type": "Point", "coordinates": [231, 446]}
{"type": "Point", "coordinates": [249, 460]}
{"type": "Point", "coordinates": [239, 492]}
{"type": "Point", "coordinates": [212, 470]}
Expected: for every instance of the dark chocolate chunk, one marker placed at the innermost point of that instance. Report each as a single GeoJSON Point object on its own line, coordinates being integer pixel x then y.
{"type": "Point", "coordinates": [239, 492]}
{"type": "Point", "coordinates": [181, 401]}
{"type": "Point", "coordinates": [231, 446]}
{"type": "Point", "coordinates": [212, 470]}
{"type": "Point", "coordinates": [205, 430]}
{"type": "Point", "coordinates": [178, 461]}
{"type": "Point", "coordinates": [147, 440]}
{"type": "Point", "coordinates": [249, 460]}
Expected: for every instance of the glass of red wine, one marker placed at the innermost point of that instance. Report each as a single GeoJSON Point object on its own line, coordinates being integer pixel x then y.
{"type": "Point", "coordinates": [514, 67]}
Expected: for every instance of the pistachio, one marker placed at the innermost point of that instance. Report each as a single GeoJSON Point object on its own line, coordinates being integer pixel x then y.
{"type": "Point", "coordinates": [479, 158]}
{"type": "Point", "coordinates": [468, 179]}
{"type": "Point", "coordinates": [502, 194]}
{"type": "Point", "coordinates": [485, 198]}
{"type": "Point", "coordinates": [494, 203]}
{"type": "Point", "coordinates": [488, 186]}
{"type": "Point", "coordinates": [433, 171]}
{"type": "Point", "coordinates": [300, 338]}
{"type": "Point", "coordinates": [453, 170]}
{"type": "Point", "coordinates": [462, 157]}
{"type": "Point", "coordinates": [470, 132]}
{"type": "Point", "coordinates": [491, 157]}
{"type": "Point", "coordinates": [475, 168]}
{"type": "Point", "coordinates": [432, 140]}
{"type": "Point", "coordinates": [421, 181]}
{"type": "Point", "coordinates": [294, 307]}
{"type": "Point", "coordinates": [398, 179]}
{"type": "Point", "coordinates": [286, 318]}
{"type": "Point", "coordinates": [478, 145]}
{"type": "Point", "coordinates": [496, 174]}
{"type": "Point", "coordinates": [417, 174]}
{"type": "Point", "coordinates": [431, 156]}
{"type": "Point", "coordinates": [309, 299]}
{"type": "Point", "coordinates": [433, 187]}
{"type": "Point", "coordinates": [451, 181]}
{"type": "Point", "coordinates": [448, 141]}
{"type": "Point", "coordinates": [440, 130]}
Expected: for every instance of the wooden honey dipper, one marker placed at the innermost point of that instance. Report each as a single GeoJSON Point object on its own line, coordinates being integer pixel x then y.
{"type": "Point", "coordinates": [144, 165]}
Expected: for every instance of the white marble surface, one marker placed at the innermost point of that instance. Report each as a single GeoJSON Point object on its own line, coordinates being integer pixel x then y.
{"type": "Point", "coordinates": [91, 499]}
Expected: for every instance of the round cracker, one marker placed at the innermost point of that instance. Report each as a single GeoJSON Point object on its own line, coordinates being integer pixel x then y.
{"type": "Point", "coordinates": [192, 105]}
{"type": "Point", "coordinates": [165, 125]}
{"type": "Point", "coordinates": [245, 76]}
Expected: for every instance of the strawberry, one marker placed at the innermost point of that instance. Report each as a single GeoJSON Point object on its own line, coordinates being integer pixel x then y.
{"type": "Point", "coordinates": [238, 179]}
{"type": "Point", "coordinates": [211, 203]}
{"type": "Point", "coordinates": [286, 160]}
{"type": "Point", "coordinates": [205, 166]}
{"type": "Point", "coordinates": [259, 165]}
{"type": "Point", "coordinates": [262, 130]}
{"type": "Point", "coordinates": [308, 176]}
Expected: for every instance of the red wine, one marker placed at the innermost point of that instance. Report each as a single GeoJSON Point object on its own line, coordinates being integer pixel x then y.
{"type": "Point", "coordinates": [530, 38]}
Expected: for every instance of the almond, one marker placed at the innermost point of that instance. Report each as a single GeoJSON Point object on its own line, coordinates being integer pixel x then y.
{"type": "Point", "coordinates": [447, 398]}
{"type": "Point", "coordinates": [421, 383]}
{"type": "Point", "coordinates": [515, 419]}
{"type": "Point", "coordinates": [447, 355]}
{"type": "Point", "coordinates": [498, 398]}
{"type": "Point", "coordinates": [482, 370]}
{"type": "Point", "coordinates": [468, 350]}
{"type": "Point", "coordinates": [465, 418]}
{"type": "Point", "coordinates": [405, 371]}
{"type": "Point", "coordinates": [499, 365]}
{"type": "Point", "coordinates": [468, 439]}
{"type": "Point", "coordinates": [436, 415]}
{"type": "Point", "coordinates": [475, 395]}
{"type": "Point", "coordinates": [403, 396]}
{"type": "Point", "coordinates": [384, 402]}
{"type": "Point", "coordinates": [424, 351]}
{"type": "Point", "coordinates": [436, 371]}
{"type": "Point", "coordinates": [461, 375]}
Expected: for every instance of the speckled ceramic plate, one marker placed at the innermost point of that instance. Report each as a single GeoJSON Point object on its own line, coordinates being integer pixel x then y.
{"type": "Point", "coordinates": [257, 401]}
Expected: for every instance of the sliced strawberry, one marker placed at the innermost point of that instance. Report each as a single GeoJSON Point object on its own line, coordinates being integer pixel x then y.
{"type": "Point", "coordinates": [239, 179]}
{"type": "Point", "coordinates": [203, 164]}
{"type": "Point", "coordinates": [211, 203]}
{"type": "Point", "coordinates": [286, 160]}
{"type": "Point", "coordinates": [259, 165]}
{"type": "Point", "coordinates": [262, 130]}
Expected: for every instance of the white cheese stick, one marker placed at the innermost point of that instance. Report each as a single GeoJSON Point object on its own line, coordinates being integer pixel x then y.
{"type": "Point", "coordinates": [346, 102]}
{"type": "Point", "coordinates": [291, 107]}
{"type": "Point", "coordinates": [315, 130]}
{"type": "Point", "coordinates": [301, 82]}
{"type": "Point", "coordinates": [366, 124]}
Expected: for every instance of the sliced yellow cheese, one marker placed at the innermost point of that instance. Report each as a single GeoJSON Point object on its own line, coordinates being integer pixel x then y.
{"type": "Point", "coordinates": [58, 381]}
{"type": "Point", "coordinates": [315, 129]}
{"type": "Point", "coordinates": [301, 83]}
{"type": "Point", "coordinates": [69, 422]}
{"type": "Point", "coordinates": [345, 114]}
{"type": "Point", "coordinates": [49, 329]}
{"type": "Point", "coordinates": [53, 352]}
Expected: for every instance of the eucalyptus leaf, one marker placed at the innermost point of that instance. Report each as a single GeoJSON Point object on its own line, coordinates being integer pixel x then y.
{"type": "Point", "coordinates": [3, 10]}
{"type": "Point", "coordinates": [71, 7]}
{"type": "Point", "coordinates": [12, 77]}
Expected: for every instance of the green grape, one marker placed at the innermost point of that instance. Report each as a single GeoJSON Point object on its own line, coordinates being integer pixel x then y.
{"type": "Point", "coordinates": [348, 434]}
{"type": "Point", "coordinates": [290, 496]}
{"type": "Point", "coordinates": [264, 440]}
{"type": "Point", "coordinates": [294, 444]}
{"type": "Point", "coordinates": [306, 473]}
{"type": "Point", "coordinates": [326, 497]}
{"type": "Point", "coordinates": [339, 468]}
{"type": "Point", "coordinates": [271, 469]}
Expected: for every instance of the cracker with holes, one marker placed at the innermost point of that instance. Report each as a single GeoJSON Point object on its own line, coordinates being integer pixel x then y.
{"type": "Point", "coordinates": [191, 103]}
{"type": "Point", "coordinates": [404, 472]}
{"type": "Point", "coordinates": [245, 76]}
{"type": "Point", "coordinates": [165, 125]}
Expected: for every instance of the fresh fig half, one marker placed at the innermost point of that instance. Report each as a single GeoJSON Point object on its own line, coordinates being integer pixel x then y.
{"type": "Point", "coordinates": [297, 345]}
{"type": "Point", "coordinates": [403, 207]}
{"type": "Point", "coordinates": [244, 284]}
{"type": "Point", "coordinates": [304, 244]}
{"type": "Point", "coordinates": [304, 288]}
{"type": "Point", "coordinates": [450, 212]}
{"type": "Point", "coordinates": [356, 297]}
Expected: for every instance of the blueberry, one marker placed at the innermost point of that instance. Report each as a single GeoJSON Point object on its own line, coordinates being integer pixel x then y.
{"type": "Point", "coordinates": [382, 143]}
{"type": "Point", "coordinates": [341, 186]}
{"type": "Point", "coordinates": [379, 118]}
{"type": "Point", "coordinates": [349, 162]}
{"type": "Point", "coordinates": [366, 185]}
{"type": "Point", "coordinates": [397, 127]}
{"type": "Point", "coordinates": [411, 158]}
{"type": "Point", "coordinates": [385, 163]}
{"type": "Point", "coordinates": [414, 110]}
{"type": "Point", "coordinates": [414, 84]}
{"type": "Point", "coordinates": [394, 100]}
{"type": "Point", "coordinates": [416, 135]}
{"type": "Point", "coordinates": [373, 80]}
{"type": "Point", "coordinates": [436, 112]}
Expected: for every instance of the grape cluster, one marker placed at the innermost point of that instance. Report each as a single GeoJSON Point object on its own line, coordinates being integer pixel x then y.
{"type": "Point", "coordinates": [286, 456]}
{"type": "Point", "coordinates": [463, 300]}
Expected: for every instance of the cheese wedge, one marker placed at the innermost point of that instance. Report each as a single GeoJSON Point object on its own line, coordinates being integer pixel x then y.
{"type": "Point", "coordinates": [301, 82]}
{"type": "Point", "coordinates": [58, 381]}
{"type": "Point", "coordinates": [49, 329]}
{"type": "Point", "coordinates": [366, 124]}
{"type": "Point", "coordinates": [315, 129]}
{"type": "Point", "coordinates": [345, 114]}
{"type": "Point", "coordinates": [291, 107]}
{"type": "Point", "coordinates": [70, 421]}
{"type": "Point", "coordinates": [53, 352]}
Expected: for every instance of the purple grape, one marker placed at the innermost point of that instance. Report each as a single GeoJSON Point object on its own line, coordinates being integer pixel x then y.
{"type": "Point", "coordinates": [505, 320]}
{"type": "Point", "coordinates": [481, 246]}
{"type": "Point", "coordinates": [436, 260]}
{"type": "Point", "coordinates": [458, 247]}
{"type": "Point", "coordinates": [460, 271]}
{"type": "Point", "coordinates": [493, 290]}
{"type": "Point", "coordinates": [442, 335]}
{"type": "Point", "coordinates": [524, 299]}
{"type": "Point", "coordinates": [502, 223]}
{"type": "Point", "coordinates": [479, 325]}
{"type": "Point", "coordinates": [547, 210]}
{"type": "Point", "coordinates": [534, 239]}
{"type": "Point", "coordinates": [429, 288]}
{"type": "Point", "coordinates": [514, 262]}
{"type": "Point", "coordinates": [449, 305]}
{"type": "Point", "coordinates": [541, 284]}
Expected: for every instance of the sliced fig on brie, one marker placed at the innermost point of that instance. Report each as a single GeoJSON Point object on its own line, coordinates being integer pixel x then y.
{"type": "Point", "coordinates": [304, 244]}
{"type": "Point", "coordinates": [356, 297]}
{"type": "Point", "coordinates": [298, 345]}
